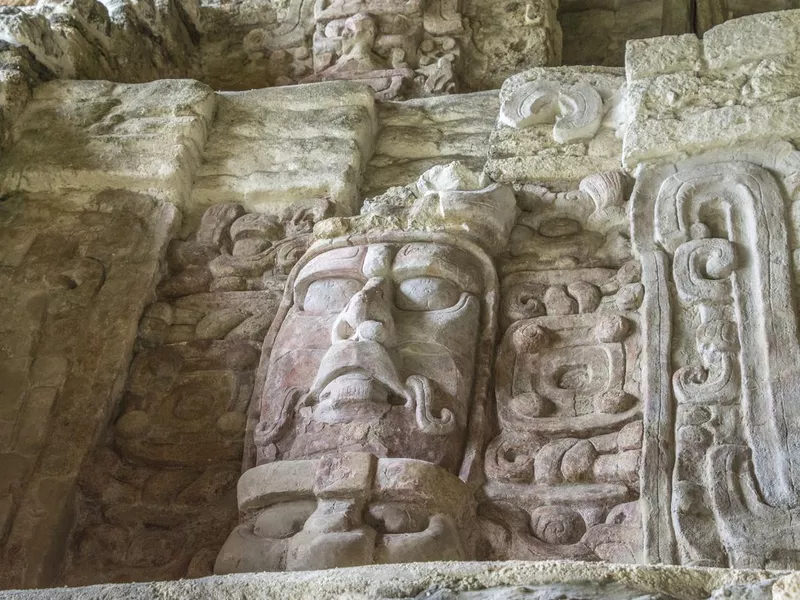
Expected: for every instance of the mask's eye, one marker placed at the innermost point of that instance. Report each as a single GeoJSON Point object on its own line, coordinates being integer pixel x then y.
{"type": "Point", "coordinates": [330, 295]}
{"type": "Point", "coordinates": [427, 293]}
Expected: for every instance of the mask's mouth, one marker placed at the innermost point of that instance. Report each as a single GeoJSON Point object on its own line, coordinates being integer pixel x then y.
{"type": "Point", "coordinates": [357, 361]}
{"type": "Point", "coordinates": [354, 396]}
{"type": "Point", "coordinates": [356, 380]}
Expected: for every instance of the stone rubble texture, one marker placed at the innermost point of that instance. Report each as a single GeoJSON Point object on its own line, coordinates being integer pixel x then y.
{"type": "Point", "coordinates": [379, 299]}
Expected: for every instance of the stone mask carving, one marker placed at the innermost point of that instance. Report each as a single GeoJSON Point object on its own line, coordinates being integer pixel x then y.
{"type": "Point", "coordinates": [376, 353]}
{"type": "Point", "coordinates": [373, 384]}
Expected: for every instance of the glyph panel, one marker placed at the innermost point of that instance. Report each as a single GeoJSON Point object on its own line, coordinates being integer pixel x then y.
{"type": "Point", "coordinates": [721, 345]}
{"type": "Point", "coordinates": [563, 468]}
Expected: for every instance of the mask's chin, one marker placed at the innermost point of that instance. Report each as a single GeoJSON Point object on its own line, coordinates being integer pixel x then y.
{"type": "Point", "coordinates": [352, 397]}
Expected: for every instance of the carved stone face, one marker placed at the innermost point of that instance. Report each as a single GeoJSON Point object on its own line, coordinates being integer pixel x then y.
{"type": "Point", "coordinates": [375, 355]}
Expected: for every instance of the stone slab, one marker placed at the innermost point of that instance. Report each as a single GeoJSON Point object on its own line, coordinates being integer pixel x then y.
{"type": "Point", "coordinates": [458, 581]}
{"type": "Point", "coordinates": [687, 96]}
{"type": "Point", "coordinates": [277, 148]}
{"type": "Point", "coordinates": [416, 135]}
{"type": "Point", "coordinates": [531, 153]}
{"type": "Point", "coordinates": [97, 135]}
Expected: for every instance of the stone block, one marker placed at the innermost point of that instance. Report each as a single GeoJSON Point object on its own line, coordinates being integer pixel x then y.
{"type": "Point", "coordinates": [416, 135]}
{"type": "Point", "coordinates": [288, 147]}
{"type": "Point", "coordinates": [662, 55]}
{"type": "Point", "coordinates": [265, 484]}
{"type": "Point", "coordinates": [557, 126]}
{"type": "Point", "coordinates": [350, 475]}
{"type": "Point", "coordinates": [687, 96]}
{"type": "Point", "coordinates": [20, 73]}
{"type": "Point", "coordinates": [96, 135]}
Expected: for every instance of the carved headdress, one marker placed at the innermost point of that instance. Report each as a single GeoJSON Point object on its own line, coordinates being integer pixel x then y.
{"type": "Point", "coordinates": [445, 199]}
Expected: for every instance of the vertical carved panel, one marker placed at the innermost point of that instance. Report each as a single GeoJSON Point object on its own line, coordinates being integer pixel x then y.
{"type": "Point", "coordinates": [717, 228]}
{"type": "Point", "coordinates": [563, 470]}
{"type": "Point", "coordinates": [158, 497]}
{"type": "Point", "coordinates": [72, 284]}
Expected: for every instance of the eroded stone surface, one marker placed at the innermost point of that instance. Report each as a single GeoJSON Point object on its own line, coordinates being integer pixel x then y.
{"type": "Point", "coordinates": [173, 455]}
{"type": "Point", "coordinates": [401, 49]}
{"type": "Point", "coordinates": [299, 147]}
{"type": "Point", "coordinates": [419, 134]}
{"type": "Point", "coordinates": [687, 96]}
{"type": "Point", "coordinates": [96, 135]}
{"type": "Point", "coordinates": [557, 322]}
{"type": "Point", "coordinates": [121, 41]}
{"type": "Point", "coordinates": [557, 126]}
{"type": "Point", "coordinates": [74, 282]}
{"type": "Point", "coordinates": [490, 581]}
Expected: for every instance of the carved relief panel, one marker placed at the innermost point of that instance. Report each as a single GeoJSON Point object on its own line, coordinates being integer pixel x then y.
{"type": "Point", "coordinates": [397, 46]}
{"type": "Point", "coordinates": [563, 470]}
{"type": "Point", "coordinates": [372, 358]}
{"type": "Point", "coordinates": [157, 498]}
{"type": "Point", "coordinates": [71, 275]}
{"type": "Point", "coordinates": [721, 359]}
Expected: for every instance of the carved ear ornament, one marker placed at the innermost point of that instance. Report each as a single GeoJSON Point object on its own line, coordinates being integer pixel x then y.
{"type": "Point", "coordinates": [576, 110]}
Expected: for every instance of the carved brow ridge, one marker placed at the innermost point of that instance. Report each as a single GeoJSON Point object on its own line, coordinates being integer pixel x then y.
{"type": "Point", "coordinates": [439, 266]}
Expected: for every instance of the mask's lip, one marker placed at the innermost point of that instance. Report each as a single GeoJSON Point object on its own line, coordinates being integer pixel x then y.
{"type": "Point", "coordinates": [378, 366]}
{"type": "Point", "coordinates": [371, 390]}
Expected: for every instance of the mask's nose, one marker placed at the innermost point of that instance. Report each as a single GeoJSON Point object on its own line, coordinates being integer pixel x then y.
{"type": "Point", "coordinates": [368, 315]}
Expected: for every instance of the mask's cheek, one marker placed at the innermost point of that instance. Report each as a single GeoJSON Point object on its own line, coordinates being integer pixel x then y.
{"type": "Point", "coordinates": [441, 346]}
{"type": "Point", "coordinates": [304, 331]}
{"type": "Point", "coordinates": [297, 353]}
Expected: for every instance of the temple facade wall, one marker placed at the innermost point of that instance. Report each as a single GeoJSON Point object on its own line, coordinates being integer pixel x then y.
{"type": "Point", "coordinates": [419, 295]}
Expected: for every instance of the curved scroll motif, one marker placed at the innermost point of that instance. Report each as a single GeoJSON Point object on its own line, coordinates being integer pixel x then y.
{"type": "Point", "coordinates": [714, 383]}
{"type": "Point", "coordinates": [420, 397]}
{"type": "Point", "coordinates": [510, 458]}
{"type": "Point", "coordinates": [267, 432]}
{"type": "Point", "coordinates": [577, 110]}
{"type": "Point", "coordinates": [717, 380]}
{"type": "Point", "coordinates": [544, 532]}
{"type": "Point", "coordinates": [754, 533]}
{"type": "Point", "coordinates": [702, 269]}
{"type": "Point", "coordinates": [741, 204]}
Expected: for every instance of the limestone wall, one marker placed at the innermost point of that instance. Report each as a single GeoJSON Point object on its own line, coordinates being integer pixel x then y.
{"type": "Point", "coordinates": [316, 326]}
